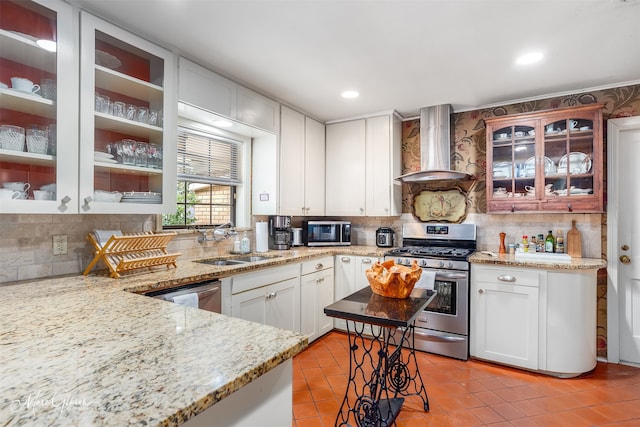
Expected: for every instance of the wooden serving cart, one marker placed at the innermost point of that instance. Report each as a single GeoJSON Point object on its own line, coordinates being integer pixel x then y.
{"type": "Point", "coordinates": [133, 251]}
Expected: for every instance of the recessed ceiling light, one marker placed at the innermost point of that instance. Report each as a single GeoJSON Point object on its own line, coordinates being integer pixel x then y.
{"type": "Point", "coordinates": [350, 94]}
{"type": "Point", "coordinates": [529, 58]}
{"type": "Point", "coordinates": [49, 45]}
{"type": "Point", "coordinates": [222, 123]}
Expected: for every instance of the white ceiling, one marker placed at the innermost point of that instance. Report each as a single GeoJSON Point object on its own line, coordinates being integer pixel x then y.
{"type": "Point", "coordinates": [398, 54]}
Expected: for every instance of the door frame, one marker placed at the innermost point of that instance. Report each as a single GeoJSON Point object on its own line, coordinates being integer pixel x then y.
{"type": "Point", "coordinates": [614, 128]}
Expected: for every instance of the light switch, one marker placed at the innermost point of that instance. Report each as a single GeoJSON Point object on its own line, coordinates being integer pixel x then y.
{"type": "Point", "coordinates": [60, 244]}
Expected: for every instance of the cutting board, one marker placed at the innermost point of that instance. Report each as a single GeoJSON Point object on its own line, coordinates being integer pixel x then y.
{"type": "Point", "coordinates": [574, 242]}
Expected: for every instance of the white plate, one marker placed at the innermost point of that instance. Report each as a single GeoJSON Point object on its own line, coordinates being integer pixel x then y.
{"type": "Point", "coordinates": [26, 92]}
{"type": "Point", "coordinates": [106, 59]}
{"type": "Point", "coordinates": [110, 161]}
{"type": "Point", "coordinates": [578, 162]}
{"type": "Point", "coordinates": [530, 166]}
{"type": "Point", "coordinates": [502, 170]}
{"type": "Point", "coordinates": [102, 155]}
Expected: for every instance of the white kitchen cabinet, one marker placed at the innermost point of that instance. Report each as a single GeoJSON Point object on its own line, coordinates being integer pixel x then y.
{"type": "Point", "coordinates": [205, 89]}
{"type": "Point", "coordinates": [268, 296]}
{"type": "Point", "coordinates": [316, 292]}
{"type": "Point", "coordinates": [20, 56]}
{"type": "Point", "coordinates": [363, 158]}
{"type": "Point", "coordinates": [302, 165]}
{"type": "Point", "coordinates": [504, 306]}
{"type": "Point", "coordinates": [350, 277]}
{"type": "Point", "coordinates": [257, 110]}
{"type": "Point", "coordinates": [127, 69]}
{"type": "Point", "coordinates": [535, 319]}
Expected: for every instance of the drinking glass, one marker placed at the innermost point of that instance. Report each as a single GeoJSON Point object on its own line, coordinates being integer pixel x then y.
{"type": "Point", "coordinates": [142, 115]}
{"type": "Point", "coordinates": [142, 154]}
{"type": "Point", "coordinates": [48, 89]}
{"type": "Point", "coordinates": [127, 151]}
{"type": "Point", "coordinates": [131, 111]}
{"type": "Point", "coordinates": [155, 156]}
{"type": "Point", "coordinates": [120, 109]}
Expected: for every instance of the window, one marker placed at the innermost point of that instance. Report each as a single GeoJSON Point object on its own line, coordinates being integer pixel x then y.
{"type": "Point", "coordinates": [208, 174]}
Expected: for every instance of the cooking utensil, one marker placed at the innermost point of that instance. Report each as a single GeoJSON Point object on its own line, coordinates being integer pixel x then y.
{"type": "Point", "coordinates": [574, 241]}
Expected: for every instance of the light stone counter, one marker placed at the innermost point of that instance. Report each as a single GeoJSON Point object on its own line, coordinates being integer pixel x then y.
{"type": "Point", "coordinates": [510, 260]}
{"type": "Point", "coordinates": [82, 351]}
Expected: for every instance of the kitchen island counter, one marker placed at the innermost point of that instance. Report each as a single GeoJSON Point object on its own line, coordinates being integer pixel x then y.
{"type": "Point", "coordinates": [80, 351]}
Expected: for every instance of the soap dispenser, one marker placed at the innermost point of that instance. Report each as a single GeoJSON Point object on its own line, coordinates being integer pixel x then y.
{"type": "Point", "coordinates": [245, 243]}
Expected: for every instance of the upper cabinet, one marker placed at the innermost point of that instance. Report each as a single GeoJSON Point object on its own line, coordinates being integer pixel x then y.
{"type": "Point", "coordinates": [127, 122]}
{"type": "Point", "coordinates": [548, 161]}
{"type": "Point", "coordinates": [302, 164]}
{"type": "Point", "coordinates": [38, 133]}
{"type": "Point", "coordinates": [205, 89]}
{"type": "Point", "coordinates": [363, 158]}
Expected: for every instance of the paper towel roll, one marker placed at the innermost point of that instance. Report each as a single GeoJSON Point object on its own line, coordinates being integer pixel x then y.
{"type": "Point", "coordinates": [262, 237]}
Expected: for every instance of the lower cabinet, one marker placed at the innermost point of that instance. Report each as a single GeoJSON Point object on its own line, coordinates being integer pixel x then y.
{"type": "Point", "coordinates": [505, 317]}
{"type": "Point", "coordinates": [270, 296]}
{"type": "Point", "coordinates": [316, 292]}
{"type": "Point", "coordinates": [542, 320]}
{"type": "Point", "coordinates": [350, 276]}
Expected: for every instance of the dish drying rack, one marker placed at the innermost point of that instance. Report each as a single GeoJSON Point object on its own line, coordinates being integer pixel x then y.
{"type": "Point", "coordinates": [133, 251]}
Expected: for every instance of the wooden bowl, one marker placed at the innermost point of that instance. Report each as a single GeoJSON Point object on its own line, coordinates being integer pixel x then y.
{"type": "Point", "coordinates": [393, 281]}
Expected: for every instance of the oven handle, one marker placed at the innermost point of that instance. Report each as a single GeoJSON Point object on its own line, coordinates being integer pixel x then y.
{"type": "Point", "coordinates": [429, 337]}
{"type": "Point", "coordinates": [451, 275]}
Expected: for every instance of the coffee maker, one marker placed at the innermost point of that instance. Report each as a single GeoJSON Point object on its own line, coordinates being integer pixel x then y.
{"type": "Point", "coordinates": [279, 232]}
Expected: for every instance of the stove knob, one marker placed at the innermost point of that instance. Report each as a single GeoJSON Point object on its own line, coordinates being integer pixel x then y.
{"type": "Point", "coordinates": [441, 264]}
{"type": "Point", "coordinates": [450, 265]}
{"type": "Point", "coordinates": [423, 263]}
{"type": "Point", "coordinates": [399, 261]}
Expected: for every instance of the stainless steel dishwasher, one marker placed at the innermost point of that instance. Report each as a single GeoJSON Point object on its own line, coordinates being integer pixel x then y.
{"type": "Point", "coordinates": [209, 294]}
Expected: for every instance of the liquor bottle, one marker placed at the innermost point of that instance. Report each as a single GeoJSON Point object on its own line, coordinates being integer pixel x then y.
{"type": "Point", "coordinates": [559, 242]}
{"type": "Point", "coordinates": [549, 242]}
{"type": "Point", "coordinates": [540, 247]}
{"type": "Point", "coordinates": [533, 244]}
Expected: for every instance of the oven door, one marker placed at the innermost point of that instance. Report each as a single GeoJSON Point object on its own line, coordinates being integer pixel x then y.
{"type": "Point", "coordinates": [449, 310]}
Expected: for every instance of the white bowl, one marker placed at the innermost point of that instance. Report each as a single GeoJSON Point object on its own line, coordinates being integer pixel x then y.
{"type": "Point", "coordinates": [106, 196]}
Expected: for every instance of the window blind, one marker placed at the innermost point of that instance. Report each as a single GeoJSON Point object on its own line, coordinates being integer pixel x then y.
{"type": "Point", "coordinates": [208, 158]}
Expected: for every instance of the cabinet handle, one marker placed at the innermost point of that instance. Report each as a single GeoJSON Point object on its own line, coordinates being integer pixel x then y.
{"type": "Point", "coordinates": [570, 207]}
{"type": "Point", "coordinates": [345, 259]}
{"type": "Point", "coordinates": [506, 278]}
{"type": "Point", "coordinates": [366, 261]}
{"type": "Point", "coordinates": [319, 266]}
{"type": "Point", "coordinates": [65, 200]}
{"type": "Point", "coordinates": [513, 208]}
{"type": "Point", "coordinates": [481, 291]}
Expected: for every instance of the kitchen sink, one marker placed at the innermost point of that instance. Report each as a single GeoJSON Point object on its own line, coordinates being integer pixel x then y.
{"type": "Point", "coordinates": [235, 260]}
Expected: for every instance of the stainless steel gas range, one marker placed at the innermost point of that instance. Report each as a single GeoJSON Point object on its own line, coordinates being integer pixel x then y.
{"type": "Point", "coordinates": [441, 250]}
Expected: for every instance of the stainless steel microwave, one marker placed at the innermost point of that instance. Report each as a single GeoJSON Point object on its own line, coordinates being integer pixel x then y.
{"type": "Point", "coordinates": [326, 233]}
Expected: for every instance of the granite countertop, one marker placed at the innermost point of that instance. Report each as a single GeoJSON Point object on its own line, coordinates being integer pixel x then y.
{"type": "Point", "coordinates": [82, 350]}
{"type": "Point", "coordinates": [510, 260]}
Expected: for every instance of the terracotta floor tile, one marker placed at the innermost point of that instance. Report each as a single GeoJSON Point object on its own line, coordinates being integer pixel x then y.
{"type": "Point", "coordinates": [471, 393]}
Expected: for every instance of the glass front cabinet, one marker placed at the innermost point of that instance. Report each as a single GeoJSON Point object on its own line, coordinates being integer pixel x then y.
{"type": "Point", "coordinates": [38, 108]}
{"type": "Point", "coordinates": [127, 121]}
{"type": "Point", "coordinates": [548, 161]}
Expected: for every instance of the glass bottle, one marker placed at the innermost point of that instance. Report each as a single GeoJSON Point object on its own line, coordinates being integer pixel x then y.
{"type": "Point", "coordinates": [540, 247]}
{"type": "Point", "coordinates": [525, 243]}
{"type": "Point", "coordinates": [245, 243]}
{"type": "Point", "coordinates": [559, 242]}
{"type": "Point", "coordinates": [236, 244]}
{"type": "Point", "coordinates": [549, 242]}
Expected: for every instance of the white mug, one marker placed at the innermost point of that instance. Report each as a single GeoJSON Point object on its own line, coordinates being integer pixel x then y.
{"type": "Point", "coordinates": [573, 124]}
{"type": "Point", "coordinates": [42, 195]}
{"type": "Point", "coordinates": [550, 128]}
{"type": "Point", "coordinates": [17, 186]}
{"type": "Point", "coordinates": [24, 85]}
{"type": "Point", "coordinates": [530, 189]}
{"type": "Point", "coordinates": [6, 194]}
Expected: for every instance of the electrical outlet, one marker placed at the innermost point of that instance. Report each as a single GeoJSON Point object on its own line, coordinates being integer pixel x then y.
{"type": "Point", "coordinates": [60, 244]}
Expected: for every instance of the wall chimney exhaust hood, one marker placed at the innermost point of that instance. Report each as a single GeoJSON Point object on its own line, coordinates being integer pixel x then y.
{"type": "Point", "coordinates": [435, 148]}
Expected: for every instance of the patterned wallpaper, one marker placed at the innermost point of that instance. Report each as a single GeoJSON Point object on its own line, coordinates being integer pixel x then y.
{"type": "Point", "coordinates": [469, 155]}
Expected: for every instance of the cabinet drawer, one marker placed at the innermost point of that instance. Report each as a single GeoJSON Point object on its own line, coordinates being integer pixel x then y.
{"type": "Point", "coordinates": [514, 276]}
{"type": "Point", "coordinates": [263, 277]}
{"type": "Point", "coordinates": [317, 264]}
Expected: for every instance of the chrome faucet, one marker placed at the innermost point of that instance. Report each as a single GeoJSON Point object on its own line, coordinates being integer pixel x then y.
{"type": "Point", "coordinates": [219, 233]}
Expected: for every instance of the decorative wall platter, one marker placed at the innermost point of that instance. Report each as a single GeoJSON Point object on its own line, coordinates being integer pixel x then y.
{"type": "Point", "coordinates": [440, 205]}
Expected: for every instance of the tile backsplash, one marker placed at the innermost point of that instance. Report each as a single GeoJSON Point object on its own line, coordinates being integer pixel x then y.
{"type": "Point", "coordinates": [26, 241]}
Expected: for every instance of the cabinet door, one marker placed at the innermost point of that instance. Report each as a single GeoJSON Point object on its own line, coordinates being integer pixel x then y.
{"type": "Point", "coordinates": [257, 110]}
{"type": "Point", "coordinates": [283, 309]}
{"type": "Point", "coordinates": [364, 263]}
{"type": "Point", "coordinates": [127, 122]}
{"type": "Point", "coordinates": [504, 323]}
{"type": "Point", "coordinates": [308, 306]}
{"type": "Point", "coordinates": [324, 297]}
{"type": "Point", "coordinates": [292, 162]}
{"type": "Point", "coordinates": [206, 89]}
{"type": "Point", "coordinates": [38, 138]}
{"type": "Point", "coordinates": [344, 275]}
{"type": "Point", "coordinates": [251, 305]}
{"type": "Point", "coordinates": [378, 156]}
{"type": "Point", "coordinates": [345, 176]}
{"type": "Point", "coordinates": [314, 168]}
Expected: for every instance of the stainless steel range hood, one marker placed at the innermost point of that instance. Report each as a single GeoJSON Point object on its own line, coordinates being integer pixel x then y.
{"type": "Point", "coordinates": [435, 148]}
